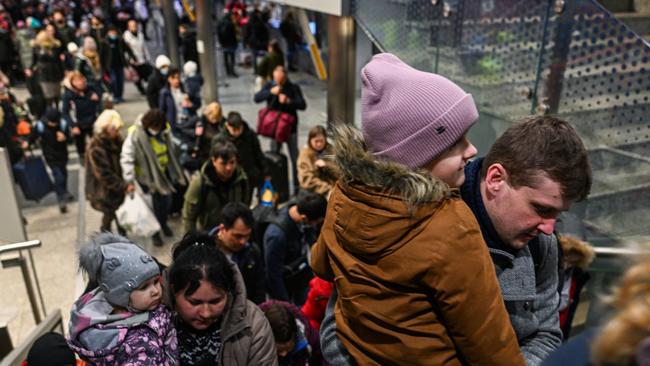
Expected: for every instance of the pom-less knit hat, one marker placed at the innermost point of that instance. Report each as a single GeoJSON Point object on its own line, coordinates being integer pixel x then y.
{"type": "Point", "coordinates": [410, 116]}
{"type": "Point", "coordinates": [118, 265]}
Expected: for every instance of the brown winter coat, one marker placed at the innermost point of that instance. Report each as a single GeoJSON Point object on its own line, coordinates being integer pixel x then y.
{"type": "Point", "coordinates": [312, 178]}
{"type": "Point", "coordinates": [105, 187]}
{"type": "Point", "coordinates": [415, 280]}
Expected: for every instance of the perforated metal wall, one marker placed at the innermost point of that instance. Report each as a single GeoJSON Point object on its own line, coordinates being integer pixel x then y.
{"type": "Point", "coordinates": [572, 59]}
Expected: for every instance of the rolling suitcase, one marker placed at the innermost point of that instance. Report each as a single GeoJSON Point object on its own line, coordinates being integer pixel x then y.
{"type": "Point", "coordinates": [32, 178]}
{"type": "Point", "coordinates": [277, 168]}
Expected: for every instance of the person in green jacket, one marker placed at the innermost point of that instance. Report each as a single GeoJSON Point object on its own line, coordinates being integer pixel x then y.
{"type": "Point", "coordinates": [221, 181]}
{"type": "Point", "coordinates": [250, 155]}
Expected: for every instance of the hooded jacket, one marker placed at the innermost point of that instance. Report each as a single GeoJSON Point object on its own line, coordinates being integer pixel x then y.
{"type": "Point", "coordinates": [206, 196]}
{"type": "Point", "coordinates": [415, 280]}
{"type": "Point", "coordinates": [102, 338]}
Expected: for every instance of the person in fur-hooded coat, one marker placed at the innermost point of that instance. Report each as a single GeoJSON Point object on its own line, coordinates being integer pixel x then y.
{"type": "Point", "coordinates": [415, 281]}
{"type": "Point", "coordinates": [577, 255]}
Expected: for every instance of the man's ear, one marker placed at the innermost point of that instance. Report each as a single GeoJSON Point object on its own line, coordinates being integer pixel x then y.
{"type": "Point", "coordinates": [496, 178]}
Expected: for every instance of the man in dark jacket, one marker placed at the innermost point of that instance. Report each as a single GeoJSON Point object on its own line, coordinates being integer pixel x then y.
{"type": "Point", "coordinates": [282, 95]}
{"type": "Point", "coordinates": [157, 80]}
{"type": "Point", "coordinates": [221, 181]}
{"type": "Point", "coordinates": [187, 43]}
{"type": "Point", "coordinates": [292, 36]}
{"type": "Point", "coordinates": [286, 245]}
{"type": "Point", "coordinates": [250, 156]}
{"type": "Point", "coordinates": [233, 235]}
{"type": "Point", "coordinates": [85, 101]}
{"type": "Point", "coordinates": [227, 35]}
{"type": "Point", "coordinates": [256, 36]}
{"type": "Point", "coordinates": [117, 57]}
{"type": "Point", "coordinates": [53, 135]}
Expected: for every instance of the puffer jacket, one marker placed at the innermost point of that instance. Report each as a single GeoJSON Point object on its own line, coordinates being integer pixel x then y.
{"type": "Point", "coordinates": [85, 108]}
{"type": "Point", "coordinates": [103, 338]}
{"type": "Point", "coordinates": [206, 196]}
{"type": "Point", "coordinates": [415, 280]}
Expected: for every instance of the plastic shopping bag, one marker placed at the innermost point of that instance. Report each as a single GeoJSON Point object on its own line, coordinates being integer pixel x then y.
{"type": "Point", "coordinates": [136, 217]}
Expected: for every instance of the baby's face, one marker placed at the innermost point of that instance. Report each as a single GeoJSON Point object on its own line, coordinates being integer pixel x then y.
{"type": "Point", "coordinates": [148, 296]}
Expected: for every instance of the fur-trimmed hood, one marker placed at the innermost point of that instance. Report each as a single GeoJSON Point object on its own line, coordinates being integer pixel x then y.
{"type": "Point", "coordinates": [357, 164]}
{"type": "Point", "coordinates": [378, 205]}
{"type": "Point", "coordinates": [582, 254]}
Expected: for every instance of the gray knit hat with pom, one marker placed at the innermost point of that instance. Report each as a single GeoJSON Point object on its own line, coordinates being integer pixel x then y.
{"type": "Point", "coordinates": [118, 265]}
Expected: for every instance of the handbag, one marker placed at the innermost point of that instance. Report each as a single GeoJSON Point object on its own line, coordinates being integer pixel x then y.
{"type": "Point", "coordinates": [275, 124]}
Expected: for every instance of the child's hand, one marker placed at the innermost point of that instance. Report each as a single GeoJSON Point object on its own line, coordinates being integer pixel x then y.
{"type": "Point", "coordinates": [60, 136]}
{"type": "Point", "coordinates": [76, 131]}
{"type": "Point", "coordinates": [94, 97]}
{"type": "Point", "coordinates": [320, 163]}
{"type": "Point", "coordinates": [198, 131]}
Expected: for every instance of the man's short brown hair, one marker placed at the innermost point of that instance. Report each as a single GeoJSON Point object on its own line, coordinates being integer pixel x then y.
{"type": "Point", "coordinates": [542, 144]}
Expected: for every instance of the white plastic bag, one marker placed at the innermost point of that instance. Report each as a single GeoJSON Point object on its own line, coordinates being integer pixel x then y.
{"type": "Point", "coordinates": [136, 217]}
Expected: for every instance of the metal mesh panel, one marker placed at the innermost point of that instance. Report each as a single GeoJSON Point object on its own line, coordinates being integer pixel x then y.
{"type": "Point", "coordinates": [518, 57]}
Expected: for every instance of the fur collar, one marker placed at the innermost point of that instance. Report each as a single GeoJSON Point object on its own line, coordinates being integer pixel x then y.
{"type": "Point", "coordinates": [357, 165]}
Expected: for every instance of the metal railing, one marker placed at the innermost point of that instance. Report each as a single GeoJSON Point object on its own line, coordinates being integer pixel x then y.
{"type": "Point", "coordinates": [19, 260]}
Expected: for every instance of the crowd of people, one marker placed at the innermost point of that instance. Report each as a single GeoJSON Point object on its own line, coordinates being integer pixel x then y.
{"type": "Point", "coordinates": [397, 247]}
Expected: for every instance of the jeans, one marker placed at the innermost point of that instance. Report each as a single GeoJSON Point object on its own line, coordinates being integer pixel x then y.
{"type": "Point", "coordinates": [293, 156]}
{"type": "Point", "coordinates": [117, 82]}
{"type": "Point", "coordinates": [60, 174]}
{"type": "Point", "coordinates": [162, 203]}
{"type": "Point", "coordinates": [80, 141]}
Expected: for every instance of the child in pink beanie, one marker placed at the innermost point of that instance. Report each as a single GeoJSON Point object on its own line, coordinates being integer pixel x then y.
{"type": "Point", "coordinates": [415, 282]}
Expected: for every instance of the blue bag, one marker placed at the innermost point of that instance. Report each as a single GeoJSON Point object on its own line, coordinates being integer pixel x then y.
{"type": "Point", "coordinates": [32, 178]}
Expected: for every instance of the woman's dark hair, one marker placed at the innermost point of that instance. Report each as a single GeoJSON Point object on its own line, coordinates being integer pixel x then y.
{"type": "Point", "coordinates": [173, 71]}
{"type": "Point", "coordinates": [196, 257]}
{"type": "Point", "coordinates": [282, 322]}
{"type": "Point", "coordinates": [154, 119]}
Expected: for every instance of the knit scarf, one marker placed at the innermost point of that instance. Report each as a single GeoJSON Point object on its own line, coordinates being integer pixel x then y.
{"type": "Point", "coordinates": [471, 193]}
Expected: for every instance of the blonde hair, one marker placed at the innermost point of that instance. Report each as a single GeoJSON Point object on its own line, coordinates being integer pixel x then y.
{"type": "Point", "coordinates": [108, 118]}
{"type": "Point", "coordinates": [617, 343]}
{"type": "Point", "coordinates": [213, 111]}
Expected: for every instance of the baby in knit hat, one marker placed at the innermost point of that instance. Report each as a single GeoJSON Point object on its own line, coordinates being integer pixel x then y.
{"type": "Point", "coordinates": [122, 321]}
{"type": "Point", "coordinates": [414, 278]}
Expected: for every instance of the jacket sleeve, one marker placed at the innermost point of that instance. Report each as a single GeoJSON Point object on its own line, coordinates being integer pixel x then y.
{"type": "Point", "coordinates": [102, 171]}
{"type": "Point", "coordinates": [127, 159]}
{"type": "Point", "coordinates": [548, 336]}
{"type": "Point", "coordinates": [65, 110]}
{"type": "Point", "coordinates": [319, 261]}
{"type": "Point", "coordinates": [466, 293]}
{"type": "Point", "coordinates": [258, 293]}
{"type": "Point", "coordinates": [263, 94]}
{"type": "Point", "coordinates": [259, 157]}
{"type": "Point", "coordinates": [262, 350]}
{"type": "Point", "coordinates": [275, 247]}
{"type": "Point", "coordinates": [191, 205]}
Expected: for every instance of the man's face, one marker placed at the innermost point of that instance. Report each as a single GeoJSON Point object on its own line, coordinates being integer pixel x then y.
{"type": "Point", "coordinates": [520, 214]}
{"type": "Point", "coordinates": [233, 131]}
{"type": "Point", "coordinates": [59, 20]}
{"type": "Point", "coordinates": [235, 238]}
{"type": "Point", "coordinates": [79, 83]}
{"type": "Point", "coordinates": [224, 168]}
{"type": "Point", "coordinates": [133, 26]}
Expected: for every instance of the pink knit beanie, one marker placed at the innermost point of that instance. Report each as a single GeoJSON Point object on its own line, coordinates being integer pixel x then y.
{"type": "Point", "coordinates": [410, 116]}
